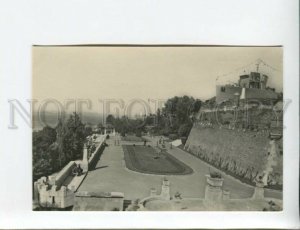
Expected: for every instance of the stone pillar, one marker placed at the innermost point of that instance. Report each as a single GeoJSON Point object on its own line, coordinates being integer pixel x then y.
{"type": "Point", "coordinates": [54, 188]}
{"type": "Point", "coordinates": [259, 191]}
{"type": "Point", "coordinates": [44, 179]}
{"type": "Point", "coordinates": [44, 194]}
{"type": "Point", "coordinates": [213, 190]}
{"type": "Point", "coordinates": [85, 161]}
{"type": "Point", "coordinates": [165, 189]}
{"type": "Point", "coordinates": [63, 194]}
{"type": "Point", "coordinates": [51, 180]}
{"type": "Point", "coordinates": [63, 190]}
{"type": "Point", "coordinates": [36, 192]}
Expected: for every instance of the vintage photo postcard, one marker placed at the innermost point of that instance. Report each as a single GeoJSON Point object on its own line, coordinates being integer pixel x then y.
{"type": "Point", "coordinates": [157, 128]}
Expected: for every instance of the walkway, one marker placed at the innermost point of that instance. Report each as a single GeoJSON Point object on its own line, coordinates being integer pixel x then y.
{"type": "Point", "coordinates": [111, 175]}
{"type": "Point", "coordinates": [236, 187]}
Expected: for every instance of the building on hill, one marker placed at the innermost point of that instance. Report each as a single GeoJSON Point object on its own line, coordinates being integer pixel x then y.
{"type": "Point", "coordinates": [240, 131]}
{"type": "Point", "coordinates": [253, 80]}
{"type": "Point", "coordinates": [252, 86]}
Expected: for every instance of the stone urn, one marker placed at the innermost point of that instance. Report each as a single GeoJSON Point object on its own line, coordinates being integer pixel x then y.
{"type": "Point", "coordinates": [166, 182]}
{"type": "Point", "coordinates": [259, 190]}
{"type": "Point", "coordinates": [214, 181]}
{"type": "Point", "coordinates": [259, 184]}
{"type": "Point", "coordinates": [165, 189]}
{"type": "Point", "coordinates": [213, 189]}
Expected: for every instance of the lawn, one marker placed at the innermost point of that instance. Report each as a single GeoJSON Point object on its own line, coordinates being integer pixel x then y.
{"type": "Point", "coordinates": [145, 159]}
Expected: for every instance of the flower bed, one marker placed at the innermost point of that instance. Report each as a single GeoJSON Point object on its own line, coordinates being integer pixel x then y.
{"type": "Point", "coordinates": [145, 159]}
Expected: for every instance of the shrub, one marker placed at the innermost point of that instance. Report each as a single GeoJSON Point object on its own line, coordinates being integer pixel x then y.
{"type": "Point", "coordinates": [173, 136]}
{"type": "Point", "coordinates": [183, 140]}
{"type": "Point", "coordinates": [215, 175]}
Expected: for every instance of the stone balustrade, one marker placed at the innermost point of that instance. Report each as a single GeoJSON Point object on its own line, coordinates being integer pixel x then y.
{"type": "Point", "coordinates": [96, 154]}
{"type": "Point", "coordinates": [51, 192]}
{"type": "Point", "coordinates": [64, 173]}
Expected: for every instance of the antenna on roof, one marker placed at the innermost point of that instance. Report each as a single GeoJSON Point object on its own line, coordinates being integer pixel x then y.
{"type": "Point", "coordinates": [258, 62]}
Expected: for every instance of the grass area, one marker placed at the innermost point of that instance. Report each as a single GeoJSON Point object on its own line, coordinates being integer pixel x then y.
{"type": "Point", "coordinates": [145, 159]}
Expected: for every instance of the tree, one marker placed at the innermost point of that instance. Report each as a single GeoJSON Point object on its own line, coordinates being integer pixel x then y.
{"type": "Point", "coordinates": [41, 151]}
{"type": "Point", "coordinates": [138, 133]}
{"type": "Point", "coordinates": [176, 115]}
{"type": "Point", "coordinates": [74, 137]}
{"type": "Point", "coordinates": [196, 106]}
{"type": "Point", "coordinates": [110, 119]}
{"type": "Point", "coordinates": [184, 130]}
{"type": "Point", "coordinates": [61, 131]}
{"type": "Point", "coordinates": [88, 131]}
{"type": "Point", "coordinates": [53, 148]}
{"type": "Point", "coordinates": [70, 139]}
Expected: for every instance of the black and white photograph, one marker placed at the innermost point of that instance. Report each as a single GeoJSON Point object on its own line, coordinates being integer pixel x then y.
{"type": "Point", "coordinates": [149, 114]}
{"type": "Point", "coordinates": [149, 128]}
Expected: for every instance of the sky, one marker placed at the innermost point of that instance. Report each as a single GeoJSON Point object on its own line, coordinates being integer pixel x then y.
{"type": "Point", "coordinates": [128, 73]}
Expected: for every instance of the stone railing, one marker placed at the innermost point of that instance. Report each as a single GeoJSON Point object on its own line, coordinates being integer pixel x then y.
{"type": "Point", "coordinates": [64, 173]}
{"type": "Point", "coordinates": [96, 154]}
{"type": "Point", "coordinates": [53, 193]}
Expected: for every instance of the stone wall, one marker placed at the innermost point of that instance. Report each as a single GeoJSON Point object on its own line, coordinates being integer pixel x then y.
{"type": "Point", "coordinates": [52, 196]}
{"type": "Point", "coordinates": [262, 118]}
{"type": "Point", "coordinates": [245, 154]}
{"type": "Point", "coordinates": [51, 192]}
{"type": "Point", "coordinates": [227, 92]}
{"type": "Point", "coordinates": [87, 201]}
{"type": "Point", "coordinates": [96, 155]}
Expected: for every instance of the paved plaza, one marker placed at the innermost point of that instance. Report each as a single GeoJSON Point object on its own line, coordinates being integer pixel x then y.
{"type": "Point", "coordinates": [111, 175]}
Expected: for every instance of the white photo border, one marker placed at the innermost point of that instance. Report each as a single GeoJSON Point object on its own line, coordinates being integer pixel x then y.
{"type": "Point", "coordinates": [211, 22]}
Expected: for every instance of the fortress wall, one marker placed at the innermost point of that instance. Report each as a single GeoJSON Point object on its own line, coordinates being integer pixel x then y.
{"type": "Point", "coordinates": [260, 94]}
{"type": "Point", "coordinates": [244, 154]}
{"type": "Point", "coordinates": [250, 93]}
{"type": "Point", "coordinates": [52, 197]}
{"type": "Point", "coordinates": [260, 119]}
{"type": "Point", "coordinates": [228, 94]}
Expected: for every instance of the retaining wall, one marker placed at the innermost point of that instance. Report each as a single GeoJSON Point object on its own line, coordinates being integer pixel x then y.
{"type": "Point", "coordinates": [86, 201]}
{"type": "Point", "coordinates": [245, 154]}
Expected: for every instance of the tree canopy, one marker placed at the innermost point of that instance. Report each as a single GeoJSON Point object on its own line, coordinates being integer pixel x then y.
{"type": "Point", "coordinates": [53, 148]}
{"type": "Point", "coordinates": [174, 119]}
